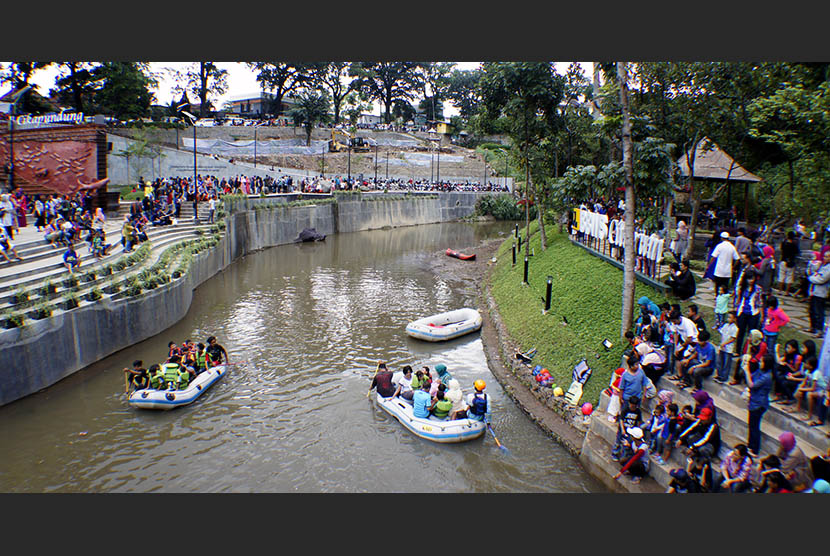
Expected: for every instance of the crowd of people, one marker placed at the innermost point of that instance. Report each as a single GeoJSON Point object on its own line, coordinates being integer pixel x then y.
{"type": "Point", "coordinates": [668, 344]}
{"type": "Point", "coordinates": [183, 364]}
{"type": "Point", "coordinates": [433, 393]}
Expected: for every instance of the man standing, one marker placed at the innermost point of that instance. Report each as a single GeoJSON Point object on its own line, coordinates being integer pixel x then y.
{"type": "Point", "coordinates": [215, 352]}
{"type": "Point", "coordinates": [819, 278]}
{"type": "Point", "coordinates": [725, 253]}
{"type": "Point", "coordinates": [790, 251]}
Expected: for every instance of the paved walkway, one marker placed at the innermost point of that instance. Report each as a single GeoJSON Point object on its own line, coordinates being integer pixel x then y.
{"type": "Point", "coordinates": [797, 310]}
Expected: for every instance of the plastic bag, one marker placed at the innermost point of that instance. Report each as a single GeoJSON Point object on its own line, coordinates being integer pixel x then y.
{"type": "Point", "coordinates": [613, 406]}
{"type": "Point", "coordinates": [650, 390]}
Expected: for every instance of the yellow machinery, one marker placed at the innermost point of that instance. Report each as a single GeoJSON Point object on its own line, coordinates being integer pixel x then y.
{"type": "Point", "coordinates": [340, 141]}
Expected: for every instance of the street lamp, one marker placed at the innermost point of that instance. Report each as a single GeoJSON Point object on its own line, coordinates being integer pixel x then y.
{"type": "Point", "coordinates": [193, 123]}
{"type": "Point", "coordinates": [12, 113]}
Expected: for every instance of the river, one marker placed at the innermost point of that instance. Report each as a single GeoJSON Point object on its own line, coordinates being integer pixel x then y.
{"type": "Point", "coordinates": [307, 324]}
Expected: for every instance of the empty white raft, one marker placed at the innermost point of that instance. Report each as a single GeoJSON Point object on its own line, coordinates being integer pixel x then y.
{"type": "Point", "coordinates": [445, 326]}
{"type": "Point", "coordinates": [170, 399]}
{"type": "Point", "coordinates": [437, 430]}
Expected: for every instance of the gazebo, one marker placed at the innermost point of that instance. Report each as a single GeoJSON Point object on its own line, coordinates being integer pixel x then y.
{"type": "Point", "coordinates": [711, 163]}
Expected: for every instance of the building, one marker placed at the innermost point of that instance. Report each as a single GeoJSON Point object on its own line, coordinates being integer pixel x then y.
{"type": "Point", "coordinates": [369, 119]}
{"type": "Point", "coordinates": [257, 104]}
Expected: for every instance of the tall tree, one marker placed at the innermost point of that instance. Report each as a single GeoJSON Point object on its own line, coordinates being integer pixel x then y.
{"type": "Point", "coordinates": [312, 108]}
{"type": "Point", "coordinates": [526, 95]}
{"type": "Point", "coordinates": [124, 89]}
{"type": "Point", "coordinates": [629, 281]}
{"type": "Point", "coordinates": [76, 84]}
{"type": "Point", "coordinates": [434, 80]}
{"type": "Point", "coordinates": [282, 79]}
{"type": "Point", "coordinates": [386, 82]}
{"type": "Point", "coordinates": [333, 77]}
{"type": "Point", "coordinates": [463, 93]}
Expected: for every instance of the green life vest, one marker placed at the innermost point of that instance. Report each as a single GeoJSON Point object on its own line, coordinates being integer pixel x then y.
{"type": "Point", "coordinates": [201, 360]}
{"type": "Point", "coordinates": [175, 374]}
{"type": "Point", "coordinates": [442, 409]}
{"type": "Point", "coordinates": [157, 379]}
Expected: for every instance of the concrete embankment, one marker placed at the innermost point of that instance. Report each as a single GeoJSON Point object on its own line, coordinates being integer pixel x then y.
{"type": "Point", "coordinates": [46, 351]}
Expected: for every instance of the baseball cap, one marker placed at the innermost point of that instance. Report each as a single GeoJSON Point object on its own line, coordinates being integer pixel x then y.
{"type": "Point", "coordinates": [724, 235]}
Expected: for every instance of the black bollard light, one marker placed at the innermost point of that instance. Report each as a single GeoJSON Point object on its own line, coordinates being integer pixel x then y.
{"type": "Point", "coordinates": [520, 243]}
{"type": "Point", "coordinates": [547, 293]}
{"type": "Point", "coordinates": [516, 231]}
{"type": "Point", "coordinates": [514, 253]}
{"type": "Point", "coordinates": [526, 265]}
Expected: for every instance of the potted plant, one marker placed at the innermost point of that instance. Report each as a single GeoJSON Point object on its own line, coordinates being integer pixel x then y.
{"type": "Point", "coordinates": [20, 296]}
{"type": "Point", "coordinates": [70, 282]}
{"type": "Point", "coordinates": [47, 289]}
{"type": "Point", "coordinates": [41, 311]}
{"type": "Point", "coordinates": [70, 301]}
{"type": "Point", "coordinates": [94, 294]}
{"type": "Point", "coordinates": [89, 276]}
{"type": "Point", "coordinates": [14, 320]}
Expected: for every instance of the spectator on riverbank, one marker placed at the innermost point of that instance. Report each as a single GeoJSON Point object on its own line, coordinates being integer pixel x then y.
{"type": "Point", "coordinates": [790, 252]}
{"type": "Point", "coordinates": [794, 464]}
{"type": "Point", "coordinates": [636, 464]}
{"type": "Point", "coordinates": [726, 350]}
{"type": "Point", "coordinates": [681, 280]}
{"type": "Point", "coordinates": [735, 470]}
{"type": "Point", "coordinates": [774, 320]}
{"type": "Point", "coordinates": [759, 382]}
{"type": "Point", "coordinates": [818, 274]}
{"type": "Point", "coordinates": [724, 255]}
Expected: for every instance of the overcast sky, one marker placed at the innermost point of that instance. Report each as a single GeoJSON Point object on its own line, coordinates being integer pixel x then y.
{"type": "Point", "coordinates": [241, 80]}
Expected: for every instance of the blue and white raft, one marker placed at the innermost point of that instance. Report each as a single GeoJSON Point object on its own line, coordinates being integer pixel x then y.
{"type": "Point", "coordinates": [445, 326]}
{"type": "Point", "coordinates": [171, 399]}
{"type": "Point", "coordinates": [432, 428]}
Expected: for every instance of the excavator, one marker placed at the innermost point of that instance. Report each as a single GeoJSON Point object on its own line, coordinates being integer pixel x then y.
{"type": "Point", "coordinates": [340, 141]}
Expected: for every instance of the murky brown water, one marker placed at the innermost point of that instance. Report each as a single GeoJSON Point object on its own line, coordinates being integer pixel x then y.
{"type": "Point", "coordinates": [311, 320]}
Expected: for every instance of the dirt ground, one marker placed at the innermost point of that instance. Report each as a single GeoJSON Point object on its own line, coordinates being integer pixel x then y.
{"type": "Point", "coordinates": [562, 423]}
{"type": "Point", "coordinates": [432, 166]}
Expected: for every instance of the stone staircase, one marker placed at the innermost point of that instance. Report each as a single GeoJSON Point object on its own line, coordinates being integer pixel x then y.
{"type": "Point", "coordinates": [44, 264]}
{"type": "Point", "coordinates": [732, 418]}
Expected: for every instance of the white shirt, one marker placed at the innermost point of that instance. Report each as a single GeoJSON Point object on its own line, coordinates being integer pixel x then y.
{"type": "Point", "coordinates": [686, 329]}
{"type": "Point", "coordinates": [728, 332]}
{"type": "Point", "coordinates": [212, 204]}
{"type": "Point", "coordinates": [725, 253]}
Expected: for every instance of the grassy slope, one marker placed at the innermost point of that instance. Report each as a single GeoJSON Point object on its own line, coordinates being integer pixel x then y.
{"type": "Point", "coordinates": [585, 290]}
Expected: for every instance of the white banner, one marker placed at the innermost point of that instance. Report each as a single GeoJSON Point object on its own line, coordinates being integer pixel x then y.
{"type": "Point", "coordinates": [597, 226]}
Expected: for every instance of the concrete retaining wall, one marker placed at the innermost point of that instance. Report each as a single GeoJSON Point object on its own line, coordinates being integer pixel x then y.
{"type": "Point", "coordinates": [44, 352]}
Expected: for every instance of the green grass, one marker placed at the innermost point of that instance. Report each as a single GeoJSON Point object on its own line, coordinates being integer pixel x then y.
{"type": "Point", "coordinates": [585, 290]}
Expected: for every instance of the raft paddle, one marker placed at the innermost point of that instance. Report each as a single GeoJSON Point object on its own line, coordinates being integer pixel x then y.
{"type": "Point", "coordinates": [126, 384]}
{"type": "Point", "coordinates": [373, 379]}
{"type": "Point", "coordinates": [502, 448]}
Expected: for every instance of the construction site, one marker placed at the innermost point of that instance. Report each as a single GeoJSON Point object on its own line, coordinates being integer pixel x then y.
{"type": "Point", "coordinates": [331, 152]}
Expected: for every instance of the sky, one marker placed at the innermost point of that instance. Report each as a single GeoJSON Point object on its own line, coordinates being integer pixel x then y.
{"type": "Point", "coordinates": [241, 80]}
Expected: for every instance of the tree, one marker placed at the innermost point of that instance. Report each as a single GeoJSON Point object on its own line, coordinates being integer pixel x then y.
{"type": "Point", "coordinates": [18, 74]}
{"type": "Point", "coordinates": [629, 281]}
{"type": "Point", "coordinates": [434, 80]}
{"type": "Point", "coordinates": [386, 82]}
{"type": "Point", "coordinates": [312, 108]}
{"type": "Point", "coordinates": [124, 90]}
{"type": "Point", "coordinates": [203, 79]}
{"type": "Point", "coordinates": [281, 79]}
{"type": "Point", "coordinates": [76, 84]}
{"type": "Point", "coordinates": [332, 77]}
{"type": "Point", "coordinates": [526, 96]}
{"type": "Point", "coordinates": [463, 93]}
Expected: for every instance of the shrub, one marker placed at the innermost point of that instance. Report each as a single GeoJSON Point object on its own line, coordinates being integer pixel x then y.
{"type": "Point", "coordinates": [94, 294]}
{"type": "Point", "coordinates": [119, 265]}
{"type": "Point", "coordinates": [90, 276]}
{"type": "Point", "coordinates": [41, 311]}
{"type": "Point", "coordinates": [14, 320]}
{"type": "Point", "coordinates": [47, 289]}
{"type": "Point", "coordinates": [71, 281]}
{"type": "Point", "coordinates": [113, 287]}
{"type": "Point", "coordinates": [107, 270]}
{"type": "Point", "coordinates": [134, 290]}
{"type": "Point", "coordinates": [70, 301]}
{"type": "Point", "coordinates": [20, 296]}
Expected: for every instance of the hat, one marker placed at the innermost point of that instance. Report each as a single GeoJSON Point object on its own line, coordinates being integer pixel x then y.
{"type": "Point", "coordinates": [705, 413]}
{"type": "Point", "coordinates": [821, 487]}
{"type": "Point", "coordinates": [724, 235]}
{"type": "Point", "coordinates": [755, 337]}
{"type": "Point", "coordinates": [679, 474]}
{"type": "Point", "coordinates": [636, 432]}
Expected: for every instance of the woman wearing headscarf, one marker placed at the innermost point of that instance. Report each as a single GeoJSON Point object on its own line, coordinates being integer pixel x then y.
{"type": "Point", "coordinates": [766, 270]}
{"type": "Point", "coordinates": [703, 399]}
{"type": "Point", "coordinates": [99, 220]}
{"type": "Point", "coordinates": [794, 464]}
{"type": "Point", "coordinates": [443, 375]}
{"type": "Point", "coordinates": [456, 396]}
{"type": "Point", "coordinates": [682, 241]}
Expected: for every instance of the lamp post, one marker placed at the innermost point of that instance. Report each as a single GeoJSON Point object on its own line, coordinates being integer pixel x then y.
{"type": "Point", "coordinates": [254, 147]}
{"type": "Point", "coordinates": [193, 123]}
{"type": "Point", "coordinates": [349, 179]}
{"type": "Point", "coordinates": [527, 263]}
{"type": "Point", "coordinates": [12, 114]}
{"type": "Point", "coordinates": [547, 294]}
{"type": "Point", "coordinates": [376, 164]}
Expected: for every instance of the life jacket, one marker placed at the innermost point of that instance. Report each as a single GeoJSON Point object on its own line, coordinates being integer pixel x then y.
{"type": "Point", "coordinates": [175, 374]}
{"type": "Point", "coordinates": [157, 379]}
{"type": "Point", "coordinates": [201, 360]}
{"type": "Point", "coordinates": [479, 405]}
{"type": "Point", "coordinates": [442, 408]}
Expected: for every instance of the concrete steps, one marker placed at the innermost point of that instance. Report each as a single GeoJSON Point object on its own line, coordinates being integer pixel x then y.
{"type": "Point", "coordinates": [52, 268]}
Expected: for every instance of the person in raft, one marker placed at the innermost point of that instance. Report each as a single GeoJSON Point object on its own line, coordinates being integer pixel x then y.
{"type": "Point", "coordinates": [215, 353]}
{"type": "Point", "coordinates": [383, 382]}
{"type": "Point", "coordinates": [478, 403]}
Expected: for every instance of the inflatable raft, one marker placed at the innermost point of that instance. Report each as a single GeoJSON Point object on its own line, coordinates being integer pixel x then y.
{"type": "Point", "coordinates": [447, 432]}
{"type": "Point", "coordinates": [445, 326]}
{"type": "Point", "coordinates": [462, 256]}
{"type": "Point", "coordinates": [170, 399]}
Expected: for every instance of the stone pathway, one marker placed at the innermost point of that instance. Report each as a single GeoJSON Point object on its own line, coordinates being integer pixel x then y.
{"type": "Point", "coordinates": [797, 310]}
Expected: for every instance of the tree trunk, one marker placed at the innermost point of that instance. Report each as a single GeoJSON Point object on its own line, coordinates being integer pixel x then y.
{"type": "Point", "coordinates": [543, 238]}
{"type": "Point", "coordinates": [629, 280]}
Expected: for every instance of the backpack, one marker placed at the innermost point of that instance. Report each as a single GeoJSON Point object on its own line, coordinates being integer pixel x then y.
{"type": "Point", "coordinates": [479, 405]}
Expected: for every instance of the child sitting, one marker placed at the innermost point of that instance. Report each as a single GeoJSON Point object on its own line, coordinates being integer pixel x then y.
{"type": "Point", "coordinates": [635, 455]}
{"type": "Point", "coordinates": [653, 428]}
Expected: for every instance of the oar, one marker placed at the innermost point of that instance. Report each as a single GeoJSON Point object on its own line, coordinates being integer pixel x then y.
{"type": "Point", "coordinates": [373, 379]}
{"type": "Point", "coordinates": [236, 363]}
{"type": "Point", "coordinates": [502, 448]}
{"type": "Point", "coordinates": [126, 384]}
